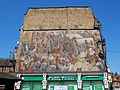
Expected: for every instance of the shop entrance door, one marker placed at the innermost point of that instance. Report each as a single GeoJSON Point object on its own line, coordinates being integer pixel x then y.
{"type": "Point", "coordinates": [60, 88]}
{"type": "Point", "coordinates": [93, 85]}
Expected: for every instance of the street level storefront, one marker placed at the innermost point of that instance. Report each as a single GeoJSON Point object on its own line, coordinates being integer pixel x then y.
{"type": "Point", "coordinates": [93, 82]}
{"type": "Point", "coordinates": [31, 82]}
{"type": "Point", "coordinates": [7, 81]}
{"type": "Point", "coordinates": [66, 81]}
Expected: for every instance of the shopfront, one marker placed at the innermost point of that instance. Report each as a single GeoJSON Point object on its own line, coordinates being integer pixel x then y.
{"type": "Point", "coordinates": [62, 85]}
{"type": "Point", "coordinates": [66, 81]}
{"type": "Point", "coordinates": [62, 82]}
{"type": "Point", "coordinates": [92, 83]}
{"type": "Point", "coordinates": [54, 82]}
{"type": "Point", "coordinates": [31, 83]}
{"type": "Point", "coordinates": [7, 81]}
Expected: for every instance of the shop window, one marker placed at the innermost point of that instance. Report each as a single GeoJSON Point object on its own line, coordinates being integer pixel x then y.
{"type": "Point", "coordinates": [51, 87]}
{"type": "Point", "coordinates": [72, 87]}
{"type": "Point", "coordinates": [37, 86]}
{"type": "Point", "coordinates": [87, 85]}
{"type": "Point", "coordinates": [25, 86]}
{"type": "Point", "coordinates": [93, 85]}
{"type": "Point", "coordinates": [62, 85]}
{"type": "Point", "coordinates": [98, 87]}
{"type": "Point", "coordinates": [31, 86]}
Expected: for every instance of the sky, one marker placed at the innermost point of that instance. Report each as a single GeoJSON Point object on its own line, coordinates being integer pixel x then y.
{"type": "Point", "coordinates": [107, 11]}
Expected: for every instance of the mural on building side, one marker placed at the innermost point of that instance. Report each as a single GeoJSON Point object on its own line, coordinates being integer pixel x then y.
{"type": "Point", "coordinates": [61, 50]}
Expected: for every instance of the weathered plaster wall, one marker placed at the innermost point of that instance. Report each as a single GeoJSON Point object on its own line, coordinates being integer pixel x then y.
{"type": "Point", "coordinates": [45, 46]}
{"type": "Point", "coordinates": [56, 18]}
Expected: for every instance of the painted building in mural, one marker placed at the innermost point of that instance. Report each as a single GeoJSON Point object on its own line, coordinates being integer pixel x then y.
{"type": "Point", "coordinates": [61, 48]}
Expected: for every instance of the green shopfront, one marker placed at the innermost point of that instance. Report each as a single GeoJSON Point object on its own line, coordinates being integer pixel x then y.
{"type": "Point", "coordinates": [31, 83]}
{"type": "Point", "coordinates": [66, 81]}
{"type": "Point", "coordinates": [92, 83]}
{"type": "Point", "coordinates": [62, 82]}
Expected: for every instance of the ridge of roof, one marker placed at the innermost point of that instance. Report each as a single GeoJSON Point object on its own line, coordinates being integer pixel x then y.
{"type": "Point", "coordinates": [7, 59]}
{"type": "Point", "coordinates": [59, 7]}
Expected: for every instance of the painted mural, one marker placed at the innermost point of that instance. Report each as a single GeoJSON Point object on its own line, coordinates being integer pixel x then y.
{"type": "Point", "coordinates": [70, 50]}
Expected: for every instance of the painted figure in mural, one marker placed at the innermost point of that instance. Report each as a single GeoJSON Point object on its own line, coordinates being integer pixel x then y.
{"type": "Point", "coordinates": [62, 51]}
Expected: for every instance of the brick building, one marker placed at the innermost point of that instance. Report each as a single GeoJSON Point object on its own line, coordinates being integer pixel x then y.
{"type": "Point", "coordinates": [7, 74]}
{"type": "Point", "coordinates": [61, 48]}
{"type": "Point", "coordinates": [115, 81]}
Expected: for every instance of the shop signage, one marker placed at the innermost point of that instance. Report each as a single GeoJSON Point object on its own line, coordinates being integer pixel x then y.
{"type": "Point", "coordinates": [33, 78]}
{"type": "Point", "coordinates": [92, 77]}
{"type": "Point", "coordinates": [62, 78]}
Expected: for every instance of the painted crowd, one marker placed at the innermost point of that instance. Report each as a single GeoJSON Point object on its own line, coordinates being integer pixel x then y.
{"type": "Point", "coordinates": [61, 50]}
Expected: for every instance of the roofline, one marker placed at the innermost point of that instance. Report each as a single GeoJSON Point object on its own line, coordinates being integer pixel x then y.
{"type": "Point", "coordinates": [58, 7]}
{"type": "Point", "coordinates": [55, 7]}
{"type": "Point", "coordinates": [62, 73]}
{"type": "Point", "coordinates": [7, 59]}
